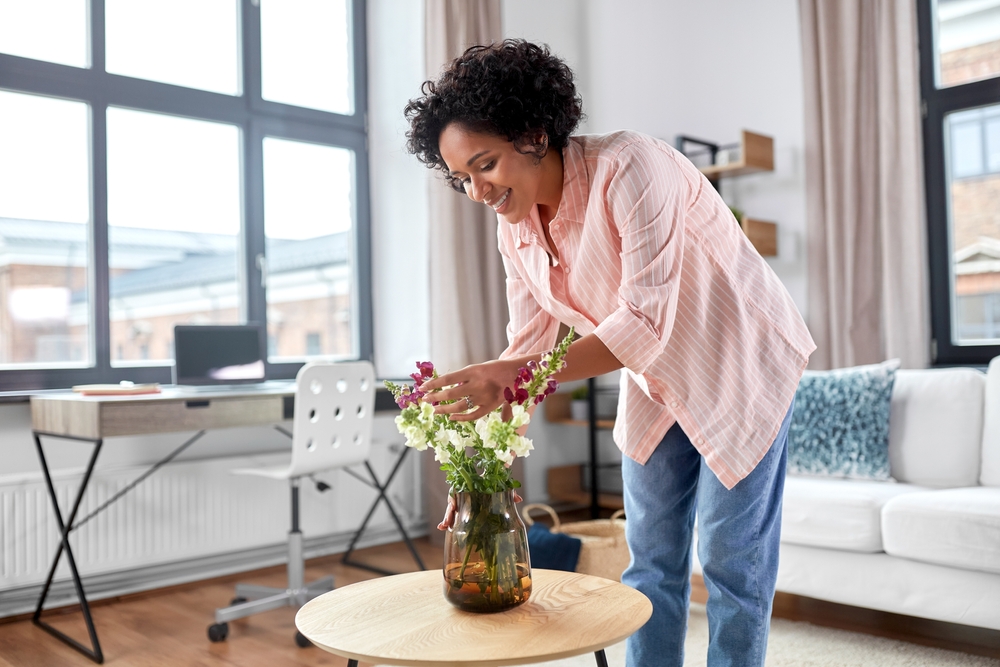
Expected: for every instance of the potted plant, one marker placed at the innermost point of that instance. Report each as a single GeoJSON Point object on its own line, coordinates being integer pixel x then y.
{"type": "Point", "coordinates": [487, 566]}
{"type": "Point", "coordinates": [579, 406]}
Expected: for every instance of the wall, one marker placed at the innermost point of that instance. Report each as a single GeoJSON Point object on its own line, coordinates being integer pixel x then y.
{"type": "Point", "coordinates": [705, 69]}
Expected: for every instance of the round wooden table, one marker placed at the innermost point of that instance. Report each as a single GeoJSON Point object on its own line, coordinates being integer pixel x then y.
{"type": "Point", "coordinates": [405, 620]}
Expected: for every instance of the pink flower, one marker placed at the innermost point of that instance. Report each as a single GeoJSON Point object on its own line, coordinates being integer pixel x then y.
{"type": "Point", "coordinates": [519, 395]}
{"type": "Point", "coordinates": [425, 372]}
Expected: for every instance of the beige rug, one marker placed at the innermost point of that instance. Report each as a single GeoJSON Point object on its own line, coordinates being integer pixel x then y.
{"type": "Point", "coordinates": [804, 645]}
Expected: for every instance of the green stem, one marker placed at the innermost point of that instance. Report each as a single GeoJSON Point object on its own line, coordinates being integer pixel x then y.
{"type": "Point", "coordinates": [465, 562]}
{"type": "Point", "coordinates": [468, 479]}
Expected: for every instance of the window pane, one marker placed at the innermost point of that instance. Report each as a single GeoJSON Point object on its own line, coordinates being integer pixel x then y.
{"type": "Point", "coordinates": [44, 211]}
{"type": "Point", "coordinates": [52, 30]}
{"type": "Point", "coordinates": [967, 148]}
{"type": "Point", "coordinates": [993, 143]}
{"type": "Point", "coordinates": [306, 54]}
{"type": "Point", "coordinates": [308, 222]}
{"type": "Point", "coordinates": [968, 41]}
{"type": "Point", "coordinates": [174, 215]}
{"type": "Point", "coordinates": [192, 43]}
{"type": "Point", "coordinates": [975, 232]}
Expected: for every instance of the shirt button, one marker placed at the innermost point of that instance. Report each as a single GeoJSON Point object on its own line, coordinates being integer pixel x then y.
{"type": "Point", "coordinates": [673, 404]}
{"type": "Point", "coordinates": [566, 269]}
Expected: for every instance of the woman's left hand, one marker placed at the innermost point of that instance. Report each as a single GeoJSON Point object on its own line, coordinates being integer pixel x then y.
{"type": "Point", "coordinates": [477, 391]}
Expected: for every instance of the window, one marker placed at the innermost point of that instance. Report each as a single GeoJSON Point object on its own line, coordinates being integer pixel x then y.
{"type": "Point", "coordinates": [51, 30]}
{"type": "Point", "coordinates": [960, 66]}
{"type": "Point", "coordinates": [974, 138]}
{"type": "Point", "coordinates": [198, 161]}
{"type": "Point", "coordinates": [45, 208]}
{"type": "Point", "coordinates": [308, 225]}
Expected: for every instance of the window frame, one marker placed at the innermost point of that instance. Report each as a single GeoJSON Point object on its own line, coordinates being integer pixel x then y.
{"type": "Point", "coordinates": [255, 118]}
{"type": "Point", "coordinates": [936, 104]}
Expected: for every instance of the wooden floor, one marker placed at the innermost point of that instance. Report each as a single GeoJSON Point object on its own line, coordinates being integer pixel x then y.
{"type": "Point", "coordinates": [168, 626]}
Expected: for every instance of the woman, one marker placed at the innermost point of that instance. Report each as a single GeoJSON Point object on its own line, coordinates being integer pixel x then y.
{"type": "Point", "coordinates": [621, 237]}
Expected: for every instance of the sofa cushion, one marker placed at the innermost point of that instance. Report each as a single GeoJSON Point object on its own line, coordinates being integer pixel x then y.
{"type": "Point", "coordinates": [837, 513]}
{"type": "Point", "coordinates": [954, 527]}
{"type": "Point", "coordinates": [990, 474]}
{"type": "Point", "coordinates": [936, 427]}
{"type": "Point", "coordinates": [840, 426]}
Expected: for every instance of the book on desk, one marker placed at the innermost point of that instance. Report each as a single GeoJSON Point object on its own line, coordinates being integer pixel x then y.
{"type": "Point", "coordinates": [124, 388]}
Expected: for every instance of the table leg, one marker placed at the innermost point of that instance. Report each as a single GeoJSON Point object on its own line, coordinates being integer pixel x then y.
{"type": "Point", "coordinates": [352, 663]}
{"type": "Point", "coordinates": [65, 529]}
{"type": "Point", "coordinates": [381, 488]}
{"type": "Point", "coordinates": [602, 660]}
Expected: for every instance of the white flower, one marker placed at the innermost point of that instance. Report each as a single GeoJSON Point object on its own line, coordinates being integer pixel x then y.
{"type": "Point", "coordinates": [442, 453]}
{"type": "Point", "coordinates": [519, 417]}
{"type": "Point", "coordinates": [415, 434]}
{"type": "Point", "coordinates": [445, 436]}
{"type": "Point", "coordinates": [487, 427]}
{"type": "Point", "coordinates": [426, 415]}
{"type": "Point", "coordinates": [521, 446]}
{"type": "Point", "coordinates": [506, 456]}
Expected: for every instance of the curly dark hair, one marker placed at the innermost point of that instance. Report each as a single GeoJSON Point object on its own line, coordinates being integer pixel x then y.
{"type": "Point", "coordinates": [513, 89]}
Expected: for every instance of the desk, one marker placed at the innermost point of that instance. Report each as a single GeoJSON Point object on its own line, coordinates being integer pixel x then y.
{"type": "Point", "coordinates": [91, 419]}
{"type": "Point", "coordinates": [405, 620]}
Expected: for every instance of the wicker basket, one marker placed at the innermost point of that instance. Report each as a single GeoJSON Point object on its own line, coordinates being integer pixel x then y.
{"type": "Point", "coordinates": [603, 552]}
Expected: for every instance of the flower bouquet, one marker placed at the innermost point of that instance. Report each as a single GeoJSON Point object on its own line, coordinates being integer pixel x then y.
{"type": "Point", "coordinates": [487, 567]}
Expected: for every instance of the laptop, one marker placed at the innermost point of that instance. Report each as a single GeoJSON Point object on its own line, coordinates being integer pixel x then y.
{"type": "Point", "coordinates": [213, 356]}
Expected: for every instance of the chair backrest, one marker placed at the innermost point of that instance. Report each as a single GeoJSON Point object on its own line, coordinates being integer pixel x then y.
{"type": "Point", "coordinates": [334, 410]}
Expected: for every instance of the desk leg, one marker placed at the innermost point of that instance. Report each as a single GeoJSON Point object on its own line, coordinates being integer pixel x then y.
{"type": "Point", "coordinates": [95, 653]}
{"type": "Point", "coordinates": [346, 559]}
{"type": "Point", "coordinates": [352, 663]}
{"type": "Point", "coordinates": [602, 660]}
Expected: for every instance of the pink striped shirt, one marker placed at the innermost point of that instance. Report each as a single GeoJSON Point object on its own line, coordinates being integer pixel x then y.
{"type": "Point", "coordinates": [652, 262]}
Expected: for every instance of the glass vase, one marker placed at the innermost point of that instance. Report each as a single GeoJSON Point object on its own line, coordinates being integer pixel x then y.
{"type": "Point", "coordinates": [486, 565]}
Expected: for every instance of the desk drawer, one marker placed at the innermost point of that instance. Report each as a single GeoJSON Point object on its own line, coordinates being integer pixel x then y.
{"type": "Point", "coordinates": [190, 414]}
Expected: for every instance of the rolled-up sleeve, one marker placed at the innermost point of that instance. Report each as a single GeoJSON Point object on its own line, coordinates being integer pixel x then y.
{"type": "Point", "coordinates": [530, 329]}
{"type": "Point", "coordinates": [646, 198]}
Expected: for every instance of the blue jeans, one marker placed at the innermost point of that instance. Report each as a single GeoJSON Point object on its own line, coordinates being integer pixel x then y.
{"type": "Point", "coordinates": [738, 535]}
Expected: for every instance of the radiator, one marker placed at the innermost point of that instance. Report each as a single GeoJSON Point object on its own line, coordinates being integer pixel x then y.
{"type": "Point", "coordinates": [188, 520]}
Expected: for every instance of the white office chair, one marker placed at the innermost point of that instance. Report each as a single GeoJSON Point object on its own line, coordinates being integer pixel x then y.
{"type": "Point", "coordinates": [332, 428]}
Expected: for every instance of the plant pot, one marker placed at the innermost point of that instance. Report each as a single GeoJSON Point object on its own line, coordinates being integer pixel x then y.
{"type": "Point", "coordinates": [486, 564]}
{"type": "Point", "coordinates": [579, 410]}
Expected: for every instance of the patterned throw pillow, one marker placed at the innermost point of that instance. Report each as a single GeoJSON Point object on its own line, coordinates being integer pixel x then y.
{"type": "Point", "coordinates": [840, 426]}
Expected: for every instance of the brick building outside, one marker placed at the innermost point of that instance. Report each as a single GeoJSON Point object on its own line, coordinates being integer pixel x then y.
{"type": "Point", "coordinates": [159, 279]}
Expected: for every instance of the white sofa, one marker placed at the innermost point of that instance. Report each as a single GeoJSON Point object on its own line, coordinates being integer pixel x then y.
{"type": "Point", "coordinates": [928, 544]}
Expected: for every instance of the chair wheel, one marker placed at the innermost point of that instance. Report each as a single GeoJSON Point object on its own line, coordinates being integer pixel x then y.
{"type": "Point", "coordinates": [301, 641]}
{"type": "Point", "coordinates": [239, 599]}
{"type": "Point", "coordinates": [218, 632]}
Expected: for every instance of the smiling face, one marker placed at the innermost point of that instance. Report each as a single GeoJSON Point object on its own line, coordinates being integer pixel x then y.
{"type": "Point", "coordinates": [496, 174]}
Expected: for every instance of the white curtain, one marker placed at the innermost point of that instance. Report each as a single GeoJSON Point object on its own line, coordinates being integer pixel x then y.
{"type": "Point", "coordinates": [467, 301]}
{"type": "Point", "coordinates": [866, 231]}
